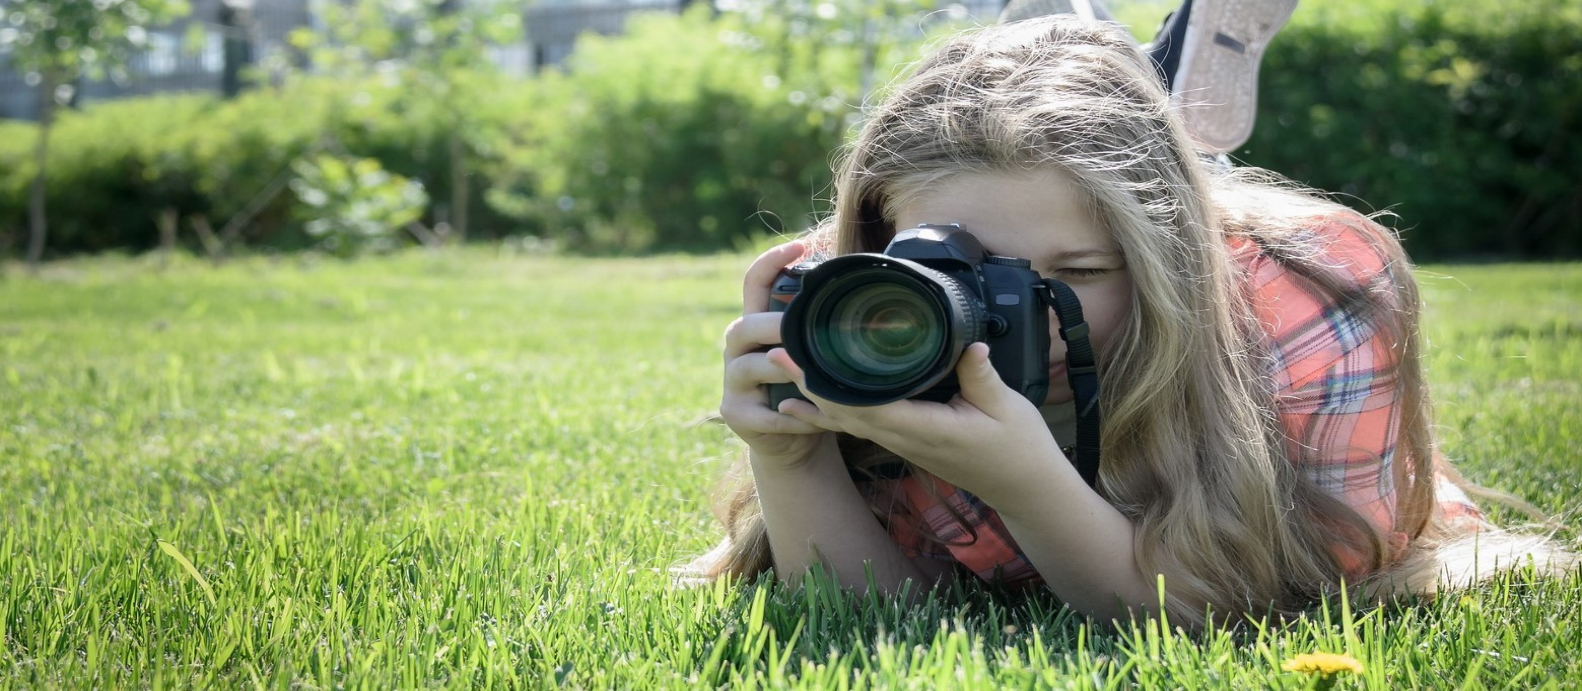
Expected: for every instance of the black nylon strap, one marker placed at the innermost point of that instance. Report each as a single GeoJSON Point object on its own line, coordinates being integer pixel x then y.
{"type": "Point", "coordinates": [1083, 372]}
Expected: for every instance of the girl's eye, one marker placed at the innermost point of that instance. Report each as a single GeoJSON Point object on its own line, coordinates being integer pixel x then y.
{"type": "Point", "coordinates": [1081, 273]}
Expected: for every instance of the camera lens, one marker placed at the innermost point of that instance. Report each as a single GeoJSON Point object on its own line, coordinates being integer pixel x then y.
{"type": "Point", "coordinates": [880, 333]}
{"type": "Point", "coordinates": [869, 329]}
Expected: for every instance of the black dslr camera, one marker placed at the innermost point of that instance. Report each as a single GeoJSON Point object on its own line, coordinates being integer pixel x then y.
{"type": "Point", "coordinates": [869, 329]}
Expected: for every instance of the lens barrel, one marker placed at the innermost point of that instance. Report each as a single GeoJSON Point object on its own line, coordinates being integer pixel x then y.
{"type": "Point", "coordinates": [868, 329]}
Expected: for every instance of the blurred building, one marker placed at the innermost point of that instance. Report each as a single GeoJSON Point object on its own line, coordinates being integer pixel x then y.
{"type": "Point", "coordinates": [203, 51]}
{"type": "Point", "coordinates": [208, 49]}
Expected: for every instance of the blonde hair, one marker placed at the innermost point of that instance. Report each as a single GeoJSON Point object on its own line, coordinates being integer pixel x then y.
{"type": "Point", "coordinates": [1223, 512]}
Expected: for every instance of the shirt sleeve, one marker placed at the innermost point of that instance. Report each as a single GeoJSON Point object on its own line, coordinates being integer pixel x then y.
{"type": "Point", "coordinates": [888, 497]}
{"type": "Point", "coordinates": [931, 518]}
{"type": "Point", "coordinates": [1336, 377]}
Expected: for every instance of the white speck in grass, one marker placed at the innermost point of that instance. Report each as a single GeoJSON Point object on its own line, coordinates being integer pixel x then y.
{"type": "Point", "coordinates": [1493, 654]}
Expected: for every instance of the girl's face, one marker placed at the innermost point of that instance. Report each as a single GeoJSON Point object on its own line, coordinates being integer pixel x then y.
{"type": "Point", "coordinates": [1041, 216]}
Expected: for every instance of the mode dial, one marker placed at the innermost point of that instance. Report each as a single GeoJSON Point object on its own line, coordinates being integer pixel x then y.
{"type": "Point", "coordinates": [1008, 261]}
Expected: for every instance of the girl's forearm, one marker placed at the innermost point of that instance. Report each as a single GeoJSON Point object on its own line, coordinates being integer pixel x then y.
{"type": "Point", "coordinates": [814, 514]}
{"type": "Point", "coordinates": [1079, 543]}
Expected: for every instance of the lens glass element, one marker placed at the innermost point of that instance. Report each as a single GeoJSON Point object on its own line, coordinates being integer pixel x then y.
{"type": "Point", "coordinates": [880, 332]}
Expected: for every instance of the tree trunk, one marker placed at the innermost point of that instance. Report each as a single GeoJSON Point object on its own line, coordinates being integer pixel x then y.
{"type": "Point", "coordinates": [459, 191]}
{"type": "Point", "coordinates": [37, 227]}
{"type": "Point", "coordinates": [212, 245]}
{"type": "Point", "coordinates": [166, 222]}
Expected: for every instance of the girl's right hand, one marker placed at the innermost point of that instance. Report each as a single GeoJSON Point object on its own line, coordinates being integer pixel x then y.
{"type": "Point", "coordinates": [773, 437]}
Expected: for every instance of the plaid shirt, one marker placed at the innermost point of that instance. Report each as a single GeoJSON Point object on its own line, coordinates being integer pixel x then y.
{"type": "Point", "coordinates": [1338, 404]}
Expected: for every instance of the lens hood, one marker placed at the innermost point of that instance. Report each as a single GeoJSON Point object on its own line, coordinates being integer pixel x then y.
{"type": "Point", "coordinates": [868, 329]}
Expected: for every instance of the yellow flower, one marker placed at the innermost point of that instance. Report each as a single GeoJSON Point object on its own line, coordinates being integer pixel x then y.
{"type": "Point", "coordinates": [1322, 663]}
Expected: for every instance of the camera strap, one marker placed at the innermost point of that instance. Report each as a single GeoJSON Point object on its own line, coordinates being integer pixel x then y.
{"type": "Point", "coordinates": [1083, 372]}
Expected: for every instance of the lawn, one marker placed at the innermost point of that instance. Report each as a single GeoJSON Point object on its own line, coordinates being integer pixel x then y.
{"type": "Point", "coordinates": [476, 469]}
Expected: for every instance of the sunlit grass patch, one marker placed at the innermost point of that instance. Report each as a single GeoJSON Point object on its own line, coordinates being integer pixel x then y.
{"type": "Point", "coordinates": [475, 470]}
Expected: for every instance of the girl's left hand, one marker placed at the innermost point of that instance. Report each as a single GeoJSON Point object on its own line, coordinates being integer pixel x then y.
{"type": "Point", "coordinates": [987, 440]}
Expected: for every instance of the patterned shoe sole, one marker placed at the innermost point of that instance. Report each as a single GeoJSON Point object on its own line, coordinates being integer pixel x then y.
{"type": "Point", "coordinates": [1217, 81]}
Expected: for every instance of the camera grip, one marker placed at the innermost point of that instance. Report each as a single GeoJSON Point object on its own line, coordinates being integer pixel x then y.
{"type": "Point", "coordinates": [781, 293]}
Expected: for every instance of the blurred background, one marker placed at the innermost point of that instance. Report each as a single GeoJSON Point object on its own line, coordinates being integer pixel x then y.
{"type": "Point", "coordinates": [641, 126]}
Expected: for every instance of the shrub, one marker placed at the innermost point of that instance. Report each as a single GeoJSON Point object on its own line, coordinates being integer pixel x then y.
{"type": "Point", "coordinates": [698, 132]}
{"type": "Point", "coordinates": [354, 205]}
{"type": "Point", "coordinates": [640, 145]}
{"type": "Point", "coordinates": [115, 166]}
{"type": "Point", "coordinates": [1462, 118]}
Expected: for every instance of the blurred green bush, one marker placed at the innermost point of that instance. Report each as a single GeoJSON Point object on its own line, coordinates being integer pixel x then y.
{"type": "Point", "coordinates": [117, 165]}
{"type": "Point", "coordinates": [1463, 118]}
{"type": "Point", "coordinates": [355, 205]}
{"type": "Point", "coordinates": [699, 132]}
{"type": "Point", "coordinates": [678, 135]}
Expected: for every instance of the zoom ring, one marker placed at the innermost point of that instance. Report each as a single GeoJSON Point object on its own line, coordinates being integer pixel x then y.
{"type": "Point", "coordinates": [974, 317]}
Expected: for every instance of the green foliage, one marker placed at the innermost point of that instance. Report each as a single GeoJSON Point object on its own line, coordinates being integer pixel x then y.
{"type": "Point", "coordinates": [1460, 117]}
{"type": "Point", "coordinates": [460, 470]}
{"type": "Point", "coordinates": [354, 205]}
{"type": "Point", "coordinates": [56, 41]}
{"type": "Point", "coordinates": [438, 49]}
{"type": "Point", "coordinates": [116, 165]}
{"type": "Point", "coordinates": [430, 36]}
{"type": "Point", "coordinates": [640, 145]}
{"type": "Point", "coordinates": [105, 172]}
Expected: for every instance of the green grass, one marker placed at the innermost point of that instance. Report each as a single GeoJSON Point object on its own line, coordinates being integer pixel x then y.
{"type": "Point", "coordinates": [476, 470]}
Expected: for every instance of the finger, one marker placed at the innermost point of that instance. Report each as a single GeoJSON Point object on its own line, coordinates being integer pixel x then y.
{"type": "Point", "coordinates": [780, 358]}
{"type": "Point", "coordinates": [754, 417]}
{"type": "Point", "coordinates": [810, 414]}
{"type": "Point", "coordinates": [751, 332]}
{"type": "Point", "coordinates": [748, 372]}
{"type": "Point", "coordinates": [981, 386]}
{"type": "Point", "coordinates": [816, 410]}
{"type": "Point", "coordinates": [761, 274]}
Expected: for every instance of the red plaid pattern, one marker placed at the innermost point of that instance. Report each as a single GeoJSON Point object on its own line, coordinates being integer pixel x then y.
{"type": "Point", "coordinates": [1337, 398]}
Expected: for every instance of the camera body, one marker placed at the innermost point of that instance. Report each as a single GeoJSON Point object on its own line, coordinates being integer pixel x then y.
{"type": "Point", "coordinates": [869, 329]}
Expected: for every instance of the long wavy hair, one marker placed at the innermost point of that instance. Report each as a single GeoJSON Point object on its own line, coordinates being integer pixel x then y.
{"type": "Point", "coordinates": [1194, 454]}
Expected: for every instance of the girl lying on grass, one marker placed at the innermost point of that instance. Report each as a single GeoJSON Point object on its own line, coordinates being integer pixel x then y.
{"type": "Point", "coordinates": [1266, 424]}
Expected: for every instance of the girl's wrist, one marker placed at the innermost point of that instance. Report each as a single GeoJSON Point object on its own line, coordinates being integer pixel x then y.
{"type": "Point", "coordinates": [821, 453]}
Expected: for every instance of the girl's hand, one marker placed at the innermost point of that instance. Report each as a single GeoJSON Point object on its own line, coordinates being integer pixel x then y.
{"type": "Point", "coordinates": [988, 439]}
{"type": "Point", "coordinates": [774, 438]}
